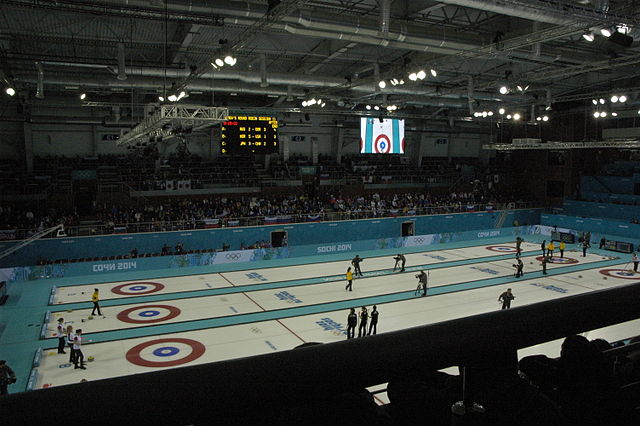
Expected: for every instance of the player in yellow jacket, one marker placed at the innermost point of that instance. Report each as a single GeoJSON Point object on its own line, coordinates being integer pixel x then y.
{"type": "Point", "coordinates": [95, 298]}
{"type": "Point", "coordinates": [349, 278]}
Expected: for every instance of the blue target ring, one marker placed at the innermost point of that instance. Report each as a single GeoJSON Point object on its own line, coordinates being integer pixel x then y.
{"type": "Point", "coordinates": [137, 288]}
{"type": "Point", "coordinates": [134, 355]}
{"type": "Point", "coordinates": [148, 314]}
{"type": "Point", "coordinates": [166, 351]}
{"type": "Point", "coordinates": [619, 273]}
{"type": "Point", "coordinates": [502, 249]}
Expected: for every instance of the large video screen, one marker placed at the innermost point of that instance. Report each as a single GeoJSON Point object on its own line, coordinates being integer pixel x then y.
{"type": "Point", "coordinates": [243, 134]}
{"type": "Point", "coordinates": [381, 136]}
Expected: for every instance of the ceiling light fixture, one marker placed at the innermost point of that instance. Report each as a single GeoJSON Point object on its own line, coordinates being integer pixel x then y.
{"type": "Point", "coordinates": [603, 114]}
{"type": "Point", "coordinates": [516, 116]}
{"type": "Point", "coordinates": [504, 90]}
{"type": "Point", "coordinates": [413, 76]}
{"type": "Point", "coordinates": [421, 74]}
{"type": "Point", "coordinates": [10, 91]}
{"type": "Point", "coordinates": [434, 73]}
{"type": "Point", "coordinates": [545, 118]}
{"type": "Point", "coordinates": [83, 96]}
{"type": "Point", "coordinates": [614, 99]}
{"type": "Point", "coordinates": [614, 114]}
{"type": "Point", "coordinates": [622, 99]}
{"type": "Point", "coordinates": [589, 37]}
{"type": "Point", "coordinates": [596, 114]}
{"type": "Point", "coordinates": [382, 84]}
{"type": "Point", "coordinates": [605, 32]}
{"type": "Point", "coordinates": [602, 101]}
{"type": "Point", "coordinates": [501, 111]}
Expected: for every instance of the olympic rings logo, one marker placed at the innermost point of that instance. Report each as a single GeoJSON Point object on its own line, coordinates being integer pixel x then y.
{"type": "Point", "coordinates": [233, 256]}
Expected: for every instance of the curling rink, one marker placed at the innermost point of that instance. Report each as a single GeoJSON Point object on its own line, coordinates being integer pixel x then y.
{"type": "Point", "coordinates": [156, 323]}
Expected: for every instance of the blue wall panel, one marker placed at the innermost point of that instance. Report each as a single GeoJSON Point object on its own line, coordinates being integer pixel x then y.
{"type": "Point", "coordinates": [302, 234]}
{"type": "Point", "coordinates": [602, 210]}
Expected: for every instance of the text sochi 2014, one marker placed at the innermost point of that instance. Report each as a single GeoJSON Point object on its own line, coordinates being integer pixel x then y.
{"type": "Point", "coordinates": [119, 266]}
{"type": "Point", "coordinates": [335, 247]}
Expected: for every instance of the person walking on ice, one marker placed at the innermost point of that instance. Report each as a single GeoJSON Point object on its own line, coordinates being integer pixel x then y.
{"type": "Point", "coordinates": [95, 298]}
{"type": "Point", "coordinates": [562, 247]}
{"type": "Point", "coordinates": [423, 281]}
{"type": "Point", "coordinates": [519, 246]}
{"type": "Point", "coordinates": [349, 279]}
{"type": "Point", "coordinates": [634, 259]}
{"type": "Point", "coordinates": [543, 246]}
{"type": "Point", "coordinates": [356, 265]}
{"type": "Point", "coordinates": [550, 248]}
{"type": "Point", "coordinates": [506, 298]}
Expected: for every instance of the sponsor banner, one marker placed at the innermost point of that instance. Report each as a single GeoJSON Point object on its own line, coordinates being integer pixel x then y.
{"type": "Point", "coordinates": [119, 229]}
{"type": "Point", "coordinates": [233, 223]}
{"type": "Point", "coordinates": [471, 208]}
{"type": "Point", "coordinates": [489, 208]}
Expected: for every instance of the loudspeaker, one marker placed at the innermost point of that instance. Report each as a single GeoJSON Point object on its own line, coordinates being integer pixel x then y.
{"type": "Point", "coordinates": [621, 39]}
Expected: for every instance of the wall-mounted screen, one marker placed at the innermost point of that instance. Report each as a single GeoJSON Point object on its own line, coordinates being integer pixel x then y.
{"type": "Point", "coordinates": [381, 136]}
{"type": "Point", "coordinates": [242, 134]}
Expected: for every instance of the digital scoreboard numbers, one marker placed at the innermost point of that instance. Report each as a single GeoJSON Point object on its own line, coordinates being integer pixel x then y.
{"type": "Point", "coordinates": [243, 134]}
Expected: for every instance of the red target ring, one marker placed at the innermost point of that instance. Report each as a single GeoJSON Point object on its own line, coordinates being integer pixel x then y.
{"type": "Point", "coordinates": [502, 249]}
{"type": "Point", "coordinates": [620, 273]}
{"type": "Point", "coordinates": [129, 289]}
{"type": "Point", "coordinates": [560, 260]}
{"type": "Point", "coordinates": [149, 314]}
{"type": "Point", "coordinates": [382, 144]}
{"type": "Point", "coordinates": [134, 355]}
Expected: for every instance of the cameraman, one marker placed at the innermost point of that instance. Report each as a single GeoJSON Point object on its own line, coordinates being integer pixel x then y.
{"type": "Point", "coordinates": [7, 377]}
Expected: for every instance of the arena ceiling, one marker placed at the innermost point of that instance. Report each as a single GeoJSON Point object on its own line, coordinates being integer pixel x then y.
{"type": "Point", "coordinates": [132, 51]}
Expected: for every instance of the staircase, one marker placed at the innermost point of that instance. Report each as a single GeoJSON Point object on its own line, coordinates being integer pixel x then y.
{"type": "Point", "coordinates": [501, 219]}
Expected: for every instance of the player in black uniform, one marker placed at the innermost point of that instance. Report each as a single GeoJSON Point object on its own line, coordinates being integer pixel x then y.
{"type": "Point", "coordinates": [506, 298]}
{"type": "Point", "coordinates": [352, 321]}
{"type": "Point", "coordinates": [356, 265]}
{"type": "Point", "coordinates": [374, 321]}
{"type": "Point", "coordinates": [400, 259]}
{"type": "Point", "coordinates": [364, 317]}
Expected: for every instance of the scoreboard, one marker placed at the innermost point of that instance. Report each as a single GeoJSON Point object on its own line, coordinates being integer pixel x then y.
{"type": "Point", "coordinates": [246, 133]}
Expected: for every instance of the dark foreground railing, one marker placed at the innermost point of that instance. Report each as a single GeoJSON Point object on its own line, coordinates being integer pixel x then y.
{"type": "Point", "coordinates": [253, 390]}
